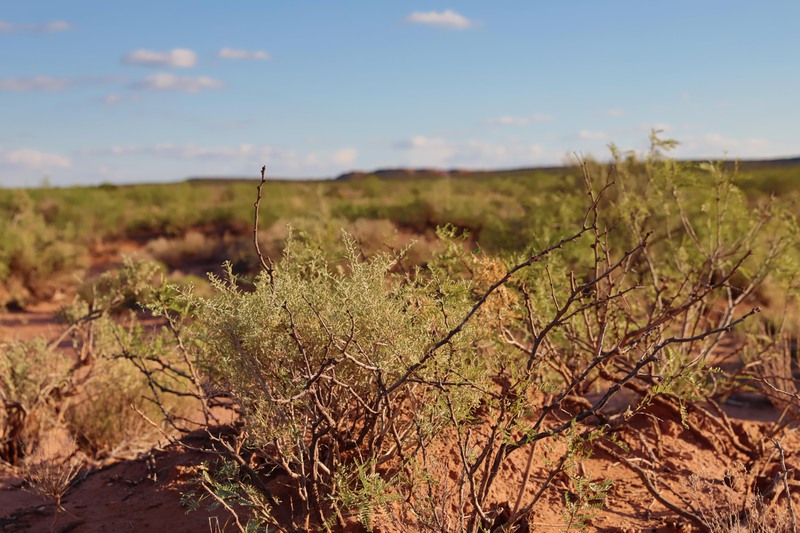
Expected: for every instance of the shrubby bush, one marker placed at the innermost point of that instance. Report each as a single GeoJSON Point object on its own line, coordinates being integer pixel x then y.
{"type": "Point", "coordinates": [34, 253]}
{"type": "Point", "coordinates": [349, 375]}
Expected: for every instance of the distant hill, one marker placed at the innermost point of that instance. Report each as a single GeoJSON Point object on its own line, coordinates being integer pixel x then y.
{"type": "Point", "coordinates": [433, 173]}
{"type": "Point", "coordinates": [412, 173]}
{"type": "Point", "coordinates": [762, 163]}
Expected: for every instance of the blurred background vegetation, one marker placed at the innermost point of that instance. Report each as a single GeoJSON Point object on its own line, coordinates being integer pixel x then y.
{"type": "Point", "coordinates": [49, 234]}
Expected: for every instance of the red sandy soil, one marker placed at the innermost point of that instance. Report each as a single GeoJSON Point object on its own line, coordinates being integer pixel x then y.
{"type": "Point", "coordinates": [144, 493]}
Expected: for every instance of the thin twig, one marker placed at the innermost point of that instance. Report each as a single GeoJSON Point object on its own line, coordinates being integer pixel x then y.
{"type": "Point", "coordinates": [265, 263]}
{"type": "Point", "coordinates": [785, 476]}
{"type": "Point", "coordinates": [223, 504]}
{"type": "Point", "coordinates": [651, 488]}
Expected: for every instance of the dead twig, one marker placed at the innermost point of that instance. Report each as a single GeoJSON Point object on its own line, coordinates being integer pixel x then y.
{"type": "Point", "coordinates": [785, 476]}
{"type": "Point", "coordinates": [265, 263]}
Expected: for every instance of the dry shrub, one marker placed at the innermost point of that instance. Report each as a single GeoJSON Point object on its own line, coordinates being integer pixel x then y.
{"type": "Point", "coordinates": [50, 470]}
{"type": "Point", "coordinates": [779, 383]}
{"type": "Point", "coordinates": [727, 506]}
{"type": "Point", "coordinates": [104, 421]}
{"type": "Point", "coordinates": [193, 246]}
{"type": "Point", "coordinates": [33, 381]}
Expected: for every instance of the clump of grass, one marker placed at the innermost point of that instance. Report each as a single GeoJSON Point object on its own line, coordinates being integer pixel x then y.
{"type": "Point", "coordinates": [51, 477]}
{"type": "Point", "coordinates": [730, 506]}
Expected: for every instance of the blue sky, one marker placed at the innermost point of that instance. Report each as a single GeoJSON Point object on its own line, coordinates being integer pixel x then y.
{"type": "Point", "coordinates": [121, 92]}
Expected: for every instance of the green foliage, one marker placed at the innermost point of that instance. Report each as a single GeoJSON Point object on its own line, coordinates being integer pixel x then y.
{"type": "Point", "coordinates": [224, 485]}
{"type": "Point", "coordinates": [128, 285]}
{"type": "Point", "coordinates": [271, 346]}
{"type": "Point", "coordinates": [360, 487]}
{"type": "Point", "coordinates": [34, 251]}
{"type": "Point", "coordinates": [586, 498]}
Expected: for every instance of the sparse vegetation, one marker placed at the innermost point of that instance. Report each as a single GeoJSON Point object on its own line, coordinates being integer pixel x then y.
{"type": "Point", "coordinates": [376, 382]}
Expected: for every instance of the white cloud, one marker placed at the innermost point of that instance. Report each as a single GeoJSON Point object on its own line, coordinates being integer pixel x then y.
{"type": "Point", "coordinates": [232, 53]}
{"type": "Point", "coordinates": [712, 145]}
{"type": "Point", "coordinates": [726, 143]}
{"type": "Point", "coordinates": [442, 19]}
{"type": "Point", "coordinates": [47, 83]}
{"type": "Point", "coordinates": [345, 156]}
{"type": "Point", "coordinates": [519, 121]}
{"type": "Point", "coordinates": [588, 135]}
{"type": "Point", "coordinates": [164, 81]}
{"type": "Point", "coordinates": [49, 27]}
{"type": "Point", "coordinates": [177, 57]}
{"type": "Point", "coordinates": [614, 113]}
{"type": "Point", "coordinates": [36, 83]}
{"type": "Point", "coordinates": [28, 158]}
{"type": "Point", "coordinates": [439, 152]}
{"type": "Point", "coordinates": [113, 99]}
{"type": "Point", "coordinates": [177, 151]}
{"type": "Point", "coordinates": [56, 25]}
{"type": "Point", "coordinates": [229, 158]}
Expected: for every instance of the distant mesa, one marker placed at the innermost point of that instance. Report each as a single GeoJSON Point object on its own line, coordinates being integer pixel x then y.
{"type": "Point", "coordinates": [401, 173]}
{"type": "Point", "coordinates": [436, 173]}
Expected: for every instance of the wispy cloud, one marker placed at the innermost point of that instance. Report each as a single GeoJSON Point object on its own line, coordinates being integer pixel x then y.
{"type": "Point", "coordinates": [440, 152]}
{"type": "Point", "coordinates": [49, 27]}
{"type": "Point", "coordinates": [717, 145]}
{"type": "Point", "coordinates": [164, 81]}
{"type": "Point", "coordinates": [519, 121]}
{"type": "Point", "coordinates": [113, 99]}
{"type": "Point", "coordinates": [233, 53]}
{"type": "Point", "coordinates": [346, 156]}
{"type": "Point", "coordinates": [614, 113]}
{"type": "Point", "coordinates": [226, 159]}
{"type": "Point", "coordinates": [176, 151]}
{"type": "Point", "coordinates": [49, 84]}
{"type": "Point", "coordinates": [28, 158]}
{"type": "Point", "coordinates": [588, 135]}
{"type": "Point", "coordinates": [177, 57]}
{"type": "Point", "coordinates": [36, 83]}
{"type": "Point", "coordinates": [442, 19]}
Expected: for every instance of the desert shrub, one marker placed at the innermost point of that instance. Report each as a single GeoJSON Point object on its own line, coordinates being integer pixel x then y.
{"type": "Point", "coordinates": [33, 382]}
{"type": "Point", "coordinates": [350, 375]}
{"type": "Point", "coordinates": [192, 246]}
{"type": "Point", "coordinates": [118, 363]}
{"type": "Point", "coordinates": [129, 285]}
{"type": "Point", "coordinates": [311, 356]}
{"type": "Point", "coordinates": [123, 394]}
{"type": "Point", "coordinates": [35, 256]}
{"type": "Point", "coordinates": [133, 370]}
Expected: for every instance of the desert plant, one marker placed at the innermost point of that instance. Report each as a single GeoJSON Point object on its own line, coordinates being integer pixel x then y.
{"type": "Point", "coordinates": [349, 372]}
{"type": "Point", "coordinates": [33, 381]}
{"type": "Point", "coordinates": [51, 477]}
{"type": "Point", "coordinates": [344, 365]}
